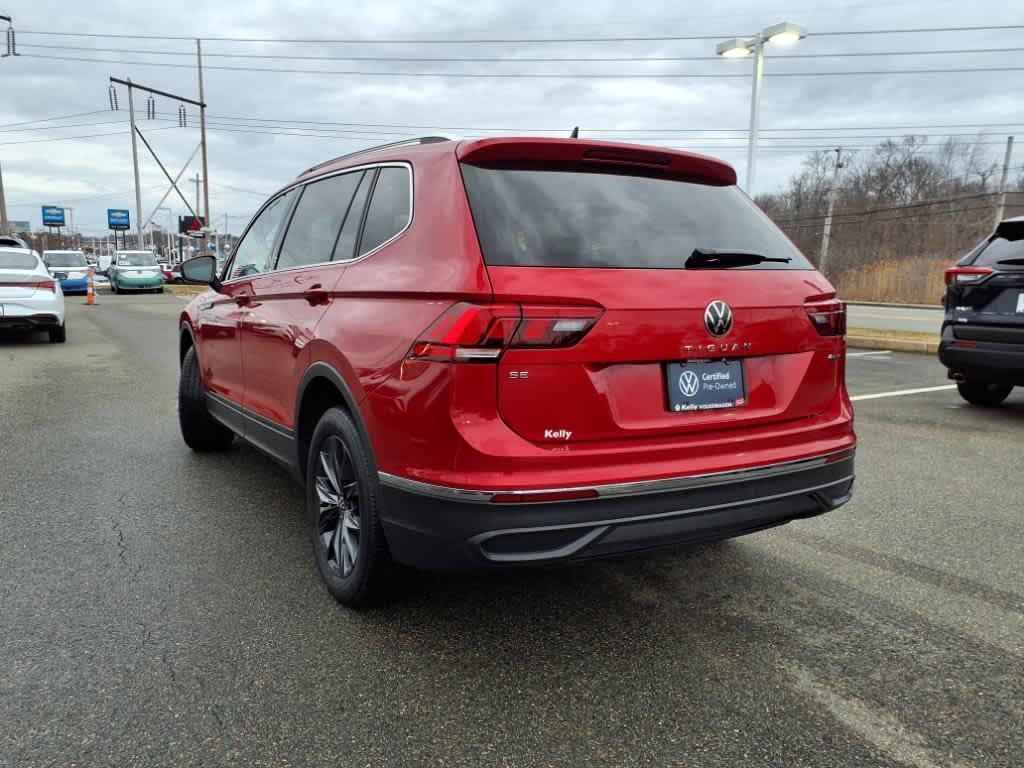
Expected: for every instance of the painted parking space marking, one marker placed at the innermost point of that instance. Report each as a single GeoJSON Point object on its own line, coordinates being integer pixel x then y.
{"type": "Point", "coordinates": [877, 353]}
{"type": "Point", "coordinates": [903, 392]}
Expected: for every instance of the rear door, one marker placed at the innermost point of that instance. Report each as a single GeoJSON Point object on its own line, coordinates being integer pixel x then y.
{"type": "Point", "coordinates": [611, 241]}
{"type": "Point", "coordinates": [987, 302]}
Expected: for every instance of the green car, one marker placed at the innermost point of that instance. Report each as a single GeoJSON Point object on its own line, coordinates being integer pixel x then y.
{"type": "Point", "coordinates": [135, 271]}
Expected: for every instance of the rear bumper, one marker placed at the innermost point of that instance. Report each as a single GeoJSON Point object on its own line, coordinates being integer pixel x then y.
{"type": "Point", "coordinates": [29, 322]}
{"type": "Point", "coordinates": [441, 528]}
{"type": "Point", "coordinates": [986, 360]}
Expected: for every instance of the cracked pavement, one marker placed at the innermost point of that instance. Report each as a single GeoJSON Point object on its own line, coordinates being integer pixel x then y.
{"type": "Point", "coordinates": [160, 608]}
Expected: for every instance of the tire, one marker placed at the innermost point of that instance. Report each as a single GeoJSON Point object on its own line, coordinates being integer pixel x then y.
{"type": "Point", "coordinates": [59, 334]}
{"type": "Point", "coordinates": [341, 509]}
{"type": "Point", "coordinates": [159, 290]}
{"type": "Point", "coordinates": [985, 393]}
{"type": "Point", "coordinates": [200, 431]}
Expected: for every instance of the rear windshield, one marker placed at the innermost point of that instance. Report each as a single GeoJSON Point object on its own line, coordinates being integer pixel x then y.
{"type": "Point", "coordinates": [10, 260]}
{"type": "Point", "coordinates": [532, 218]}
{"type": "Point", "coordinates": [136, 260]}
{"type": "Point", "coordinates": [999, 249]}
{"type": "Point", "coordinates": [64, 259]}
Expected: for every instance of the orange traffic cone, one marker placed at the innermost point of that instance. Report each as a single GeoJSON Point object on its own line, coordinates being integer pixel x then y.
{"type": "Point", "coordinates": [90, 291]}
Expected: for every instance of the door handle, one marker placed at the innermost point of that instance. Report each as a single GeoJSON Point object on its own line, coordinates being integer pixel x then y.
{"type": "Point", "coordinates": [316, 295]}
{"type": "Point", "coordinates": [243, 301]}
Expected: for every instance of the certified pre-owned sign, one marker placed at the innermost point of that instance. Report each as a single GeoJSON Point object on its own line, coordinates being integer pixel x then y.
{"type": "Point", "coordinates": [53, 216]}
{"type": "Point", "coordinates": [118, 218]}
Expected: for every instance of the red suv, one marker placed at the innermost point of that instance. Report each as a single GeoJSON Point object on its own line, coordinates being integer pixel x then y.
{"type": "Point", "coordinates": [519, 351]}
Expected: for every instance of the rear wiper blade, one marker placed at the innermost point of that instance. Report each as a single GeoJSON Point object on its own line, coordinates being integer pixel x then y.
{"type": "Point", "coordinates": [1013, 262]}
{"type": "Point", "coordinates": [714, 258]}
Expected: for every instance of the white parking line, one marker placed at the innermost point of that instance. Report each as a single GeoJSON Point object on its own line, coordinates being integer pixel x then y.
{"type": "Point", "coordinates": [870, 354]}
{"type": "Point", "coordinates": [901, 392]}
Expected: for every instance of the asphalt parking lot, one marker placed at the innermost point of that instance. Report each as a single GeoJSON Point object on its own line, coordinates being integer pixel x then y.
{"type": "Point", "coordinates": [161, 608]}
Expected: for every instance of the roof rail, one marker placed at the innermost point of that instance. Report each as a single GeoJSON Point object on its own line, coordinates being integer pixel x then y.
{"type": "Point", "coordinates": [402, 143]}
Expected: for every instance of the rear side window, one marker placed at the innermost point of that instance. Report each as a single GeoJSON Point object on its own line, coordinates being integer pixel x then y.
{"type": "Point", "coordinates": [390, 208]}
{"type": "Point", "coordinates": [10, 260]}
{"type": "Point", "coordinates": [317, 221]}
{"type": "Point", "coordinates": [532, 218]}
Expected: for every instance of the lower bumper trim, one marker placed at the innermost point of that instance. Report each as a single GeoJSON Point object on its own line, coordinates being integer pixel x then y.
{"type": "Point", "coordinates": [434, 533]}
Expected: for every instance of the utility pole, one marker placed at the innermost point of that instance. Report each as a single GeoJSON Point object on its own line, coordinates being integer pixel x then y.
{"type": "Point", "coordinates": [826, 232]}
{"type": "Point", "coordinates": [135, 162]}
{"type": "Point", "coordinates": [10, 52]}
{"type": "Point", "coordinates": [1001, 205]}
{"type": "Point", "coordinates": [202, 139]}
{"type": "Point", "coordinates": [3, 205]}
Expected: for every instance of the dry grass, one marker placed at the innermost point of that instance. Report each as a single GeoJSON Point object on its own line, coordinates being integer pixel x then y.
{"type": "Point", "coordinates": [916, 280]}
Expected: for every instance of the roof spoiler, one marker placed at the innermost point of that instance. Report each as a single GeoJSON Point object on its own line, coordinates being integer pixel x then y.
{"type": "Point", "coordinates": [1011, 229]}
{"type": "Point", "coordinates": [604, 155]}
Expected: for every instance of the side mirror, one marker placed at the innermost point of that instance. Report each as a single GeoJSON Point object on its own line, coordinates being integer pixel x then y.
{"type": "Point", "coordinates": [201, 270]}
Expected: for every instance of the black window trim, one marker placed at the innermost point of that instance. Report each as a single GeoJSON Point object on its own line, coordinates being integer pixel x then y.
{"type": "Point", "coordinates": [291, 212]}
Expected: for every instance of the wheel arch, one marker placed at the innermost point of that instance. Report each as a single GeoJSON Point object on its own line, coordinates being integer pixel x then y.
{"type": "Point", "coordinates": [186, 340]}
{"type": "Point", "coordinates": [323, 387]}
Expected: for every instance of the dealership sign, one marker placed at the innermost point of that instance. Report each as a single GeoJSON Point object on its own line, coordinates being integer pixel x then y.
{"type": "Point", "coordinates": [118, 218]}
{"type": "Point", "coordinates": [53, 216]}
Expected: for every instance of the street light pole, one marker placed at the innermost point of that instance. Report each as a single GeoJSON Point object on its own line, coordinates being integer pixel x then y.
{"type": "Point", "coordinates": [755, 115]}
{"type": "Point", "coordinates": [783, 33]}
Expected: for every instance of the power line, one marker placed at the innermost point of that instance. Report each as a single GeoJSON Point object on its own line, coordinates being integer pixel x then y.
{"type": "Point", "coordinates": [516, 59]}
{"type": "Point", "coordinates": [903, 207]}
{"type": "Point", "coordinates": [72, 138]}
{"type": "Point", "coordinates": [54, 119]}
{"type": "Point", "coordinates": [537, 75]}
{"type": "Point", "coordinates": [518, 40]}
{"type": "Point", "coordinates": [59, 127]}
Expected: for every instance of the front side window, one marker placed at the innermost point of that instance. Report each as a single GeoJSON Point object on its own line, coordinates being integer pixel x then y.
{"type": "Point", "coordinates": [317, 221]}
{"type": "Point", "coordinates": [255, 254]}
{"type": "Point", "coordinates": [390, 208]}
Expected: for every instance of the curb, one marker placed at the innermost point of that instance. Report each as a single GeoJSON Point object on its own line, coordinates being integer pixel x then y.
{"type": "Point", "coordinates": [893, 344]}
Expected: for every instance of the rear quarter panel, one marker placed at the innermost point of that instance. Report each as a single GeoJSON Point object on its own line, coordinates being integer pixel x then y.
{"type": "Point", "coordinates": [386, 299]}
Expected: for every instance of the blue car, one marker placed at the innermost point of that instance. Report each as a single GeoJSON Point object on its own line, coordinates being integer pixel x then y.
{"type": "Point", "coordinates": [70, 268]}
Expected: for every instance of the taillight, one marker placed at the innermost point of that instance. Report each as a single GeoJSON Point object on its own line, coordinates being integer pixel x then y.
{"type": "Point", "coordinates": [481, 332]}
{"type": "Point", "coordinates": [828, 317]}
{"type": "Point", "coordinates": [46, 285]}
{"type": "Point", "coordinates": [965, 275]}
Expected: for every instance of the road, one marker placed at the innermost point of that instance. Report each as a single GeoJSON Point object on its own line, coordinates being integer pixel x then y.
{"type": "Point", "coordinates": [916, 319]}
{"type": "Point", "coordinates": [161, 608]}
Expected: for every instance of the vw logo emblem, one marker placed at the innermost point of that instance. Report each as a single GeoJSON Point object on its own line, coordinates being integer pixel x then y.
{"type": "Point", "coordinates": [688, 383]}
{"type": "Point", "coordinates": [718, 318]}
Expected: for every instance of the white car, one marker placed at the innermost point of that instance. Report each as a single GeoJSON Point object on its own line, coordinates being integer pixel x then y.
{"type": "Point", "coordinates": [30, 298]}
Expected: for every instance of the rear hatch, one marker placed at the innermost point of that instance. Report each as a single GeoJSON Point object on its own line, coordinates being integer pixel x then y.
{"type": "Point", "coordinates": [985, 297]}
{"type": "Point", "coordinates": [627, 266]}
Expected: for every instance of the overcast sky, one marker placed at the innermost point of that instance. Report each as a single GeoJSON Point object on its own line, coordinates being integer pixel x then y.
{"type": "Point", "coordinates": [248, 110]}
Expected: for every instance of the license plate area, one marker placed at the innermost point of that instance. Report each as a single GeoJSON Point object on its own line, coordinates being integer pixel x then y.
{"type": "Point", "coordinates": [705, 385]}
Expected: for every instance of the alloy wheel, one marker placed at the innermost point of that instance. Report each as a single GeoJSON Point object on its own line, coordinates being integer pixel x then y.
{"type": "Point", "coordinates": [338, 518]}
